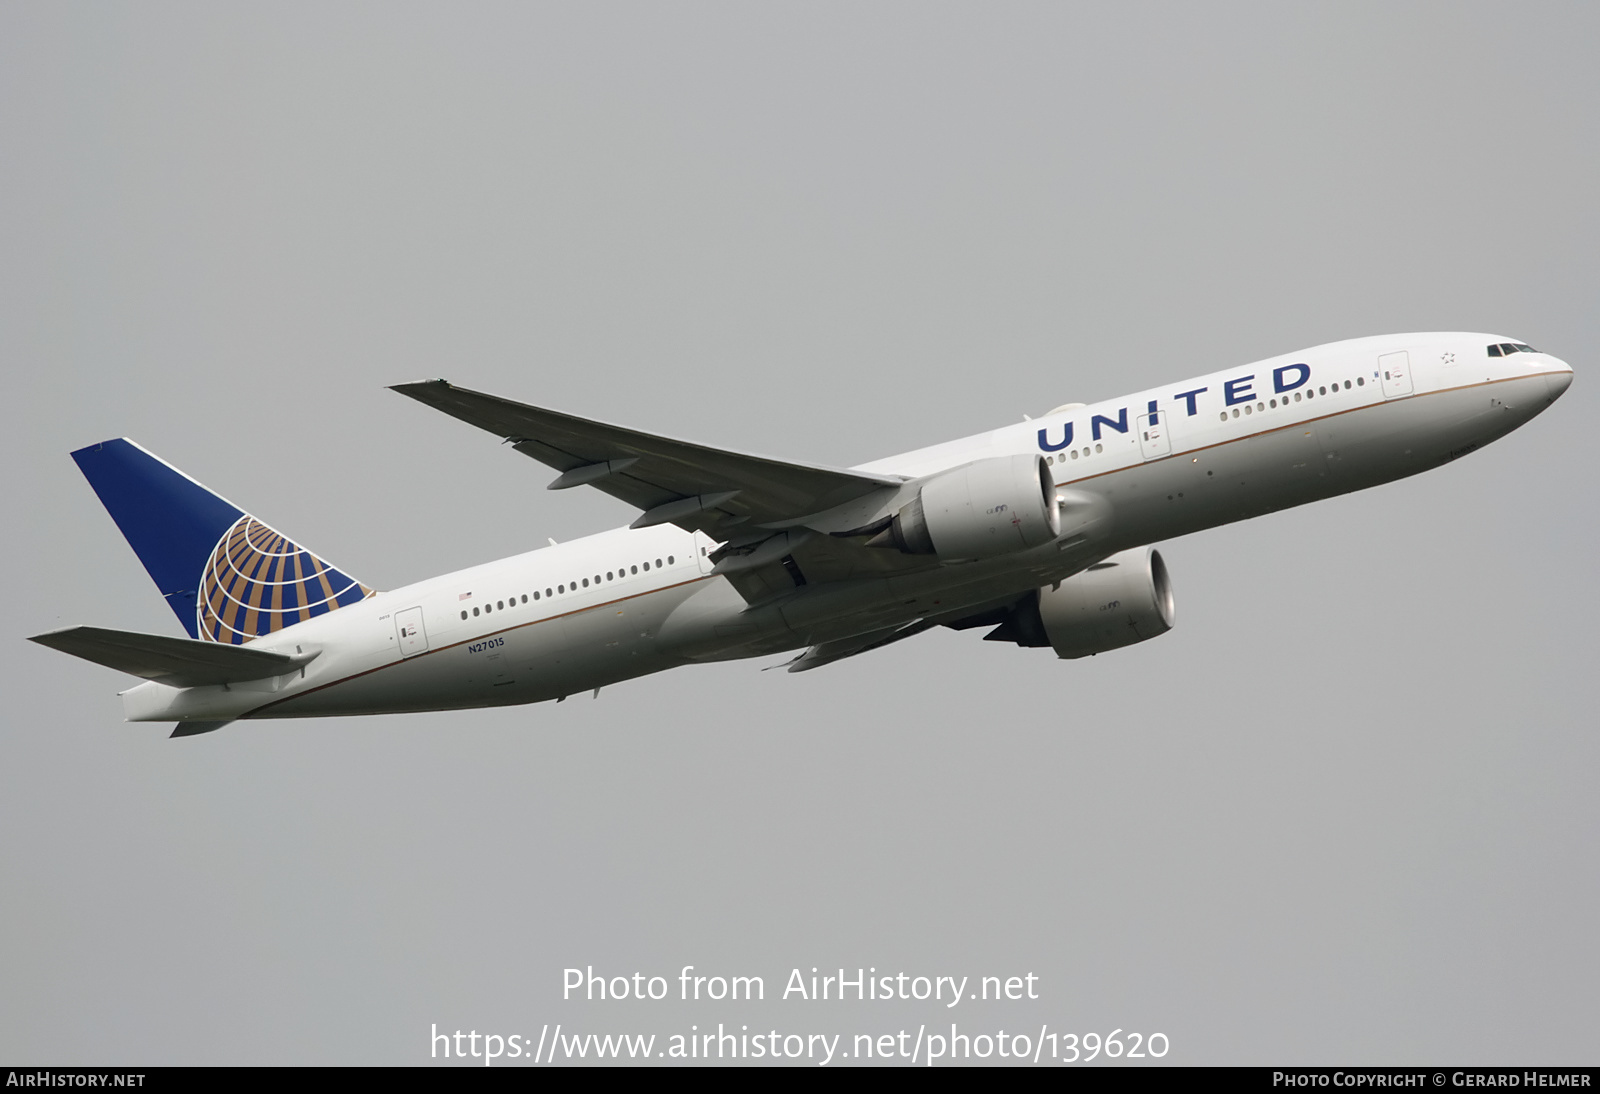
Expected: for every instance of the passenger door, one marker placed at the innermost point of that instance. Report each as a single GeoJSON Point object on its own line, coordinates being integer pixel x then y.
{"type": "Point", "coordinates": [408, 628]}
{"type": "Point", "coordinates": [703, 545]}
{"type": "Point", "coordinates": [1153, 439]}
{"type": "Point", "coordinates": [1394, 369]}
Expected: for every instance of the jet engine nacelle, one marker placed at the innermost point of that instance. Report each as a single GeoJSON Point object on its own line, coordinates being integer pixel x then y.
{"type": "Point", "coordinates": [1125, 599]}
{"type": "Point", "coordinates": [987, 508]}
{"type": "Point", "coordinates": [1115, 603]}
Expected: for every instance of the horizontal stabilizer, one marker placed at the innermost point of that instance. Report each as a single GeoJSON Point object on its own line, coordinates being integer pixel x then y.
{"type": "Point", "coordinates": [176, 662]}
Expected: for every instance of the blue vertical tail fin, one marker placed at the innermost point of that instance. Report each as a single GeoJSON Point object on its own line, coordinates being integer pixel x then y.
{"type": "Point", "coordinates": [227, 576]}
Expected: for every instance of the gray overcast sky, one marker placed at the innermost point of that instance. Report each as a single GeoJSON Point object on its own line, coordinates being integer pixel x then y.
{"type": "Point", "coordinates": [1344, 812]}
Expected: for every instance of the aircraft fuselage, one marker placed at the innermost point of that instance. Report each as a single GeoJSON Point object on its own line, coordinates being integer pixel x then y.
{"type": "Point", "coordinates": [1129, 471]}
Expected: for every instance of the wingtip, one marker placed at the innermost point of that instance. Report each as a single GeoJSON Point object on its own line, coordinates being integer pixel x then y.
{"type": "Point", "coordinates": [194, 729]}
{"type": "Point", "coordinates": [51, 639]}
{"type": "Point", "coordinates": [419, 385]}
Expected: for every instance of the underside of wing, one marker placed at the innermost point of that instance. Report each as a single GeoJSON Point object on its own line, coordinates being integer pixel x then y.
{"type": "Point", "coordinates": [999, 614]}
{"type": "Point", "coordinates": [797, 557]}
{"type": "Point", "coordinates": [176, 662]}
{"type": "Point", "coordinates": [699, 488]}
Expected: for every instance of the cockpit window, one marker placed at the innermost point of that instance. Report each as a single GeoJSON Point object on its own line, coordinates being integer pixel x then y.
{"type": "Point", "coordinates": [1526, 348]}
{"type": "Point", "coordinates": [1494, 351]}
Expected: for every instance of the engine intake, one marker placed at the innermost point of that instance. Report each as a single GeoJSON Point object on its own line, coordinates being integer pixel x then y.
{"type": "Point", "coordinates": [1123, 600]}
{"type": "Point", "coordinates": [983, 509]}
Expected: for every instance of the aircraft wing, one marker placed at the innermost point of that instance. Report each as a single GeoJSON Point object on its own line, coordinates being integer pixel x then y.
{"type": "Point", "coordinates": [693, 486]}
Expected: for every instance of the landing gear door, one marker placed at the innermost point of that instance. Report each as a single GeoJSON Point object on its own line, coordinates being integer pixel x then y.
{"type": "Point", "coordinates": [408, 629]}
{"type": "Point", "coordinates": [1394, 369]}
{"type": "Point", "coordinates": [1153, 439]}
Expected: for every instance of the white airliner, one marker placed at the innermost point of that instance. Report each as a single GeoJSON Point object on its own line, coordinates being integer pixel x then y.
{"type": "Point", "coordinates": [1039, 531]}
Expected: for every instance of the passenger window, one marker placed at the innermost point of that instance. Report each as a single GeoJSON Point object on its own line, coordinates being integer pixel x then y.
{"type": "Point", "coordinates": [547, 592]}
{"type": "Point", "coordinates": [635, 569]}
{"type": "Point", "coordinates": [1297, 396]}
{"type": "Point", "coordinates": [670, 560]}
{"type": "Point", "coordinates": [1347, 385]}
{"type": "Point", "coordinates": [1361, 381]}
{"type": "Point", "coordinates": [463, 614]}
{"type": "Point", "coordinates": [1274, 404]}
{"type": "Point", "coordinates": [1224, 415]}
{"type": "Point", "coordinates": [658, 564]}
{"type": "Point", "coordinates": [500, 604]}
{"type": "Point", "coordinates": [1074, 453]}
{"type": "Point", "coordinates": [474, 611]}
{"type": "Point", "coordinates": [536, 594]}
{"type": "Point", "coordinates": [1235, 412]}
{"type": "Point", "coordinates": [561, 588]}
{"type": "Point", "coordinates": [1097, 448]}
{"type": "Point", "coordinates": [585, 583]}
{"type": "Point", "coordinates": [525, 597]}
{"type": "Point", "coordinates": [1248, 408]}
{"type": "Point", "coordinates": [646, 567]}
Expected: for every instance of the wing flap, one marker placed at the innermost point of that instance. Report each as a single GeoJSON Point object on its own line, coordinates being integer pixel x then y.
{"type": "Point", "coordinates": [176, 662]}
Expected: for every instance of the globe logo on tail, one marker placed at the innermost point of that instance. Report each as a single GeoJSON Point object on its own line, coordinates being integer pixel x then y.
{"type": "Point", "coordinates": [257, 581]}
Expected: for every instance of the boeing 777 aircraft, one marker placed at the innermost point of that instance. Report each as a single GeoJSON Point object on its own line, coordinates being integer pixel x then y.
{"type": "Point", "coordinates": [1039, 531]}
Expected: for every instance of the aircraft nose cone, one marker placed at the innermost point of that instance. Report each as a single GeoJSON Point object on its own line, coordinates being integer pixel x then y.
{"type": "Point", "coordinates": [1558, 382]}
